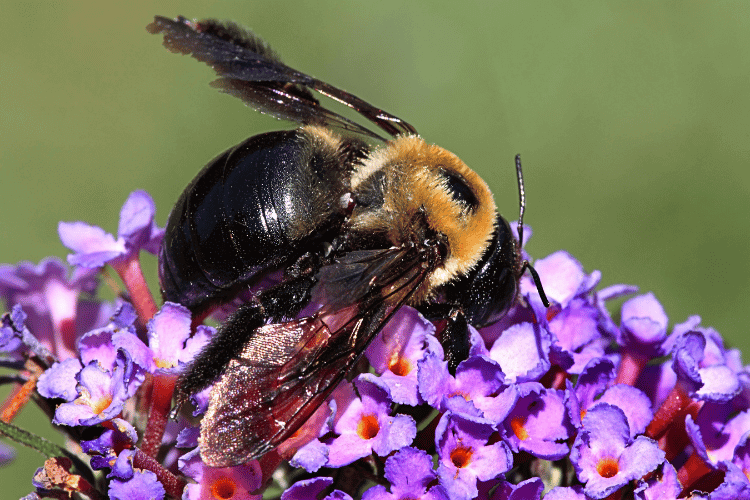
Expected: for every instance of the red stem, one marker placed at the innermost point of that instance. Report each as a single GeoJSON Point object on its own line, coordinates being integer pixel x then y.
{"type": "Point", "coordinates": [693, 469]}
{"type": "Point", "coordinates": [158, 413]}
{"type": "Point", "coordinates": [630, 368]}
{"type": "Point", "coordinates": [132, 276]}
{"type": "Point", "coordinates": [21, 394]}
{"type": "Point", "coordinates": [17, 399]}
{"type": "Point", "coordinates": [172, 484]}
{"type": "Point", "coordinates": [670, 410]}
{"type": "Point", "coordinates": [617, 495]}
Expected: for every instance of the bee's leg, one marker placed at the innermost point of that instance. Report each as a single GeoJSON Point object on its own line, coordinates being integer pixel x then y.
{"type": "Point", "coordinates": [211, 360]}
{"type": "Point", "coordinates": [454, 337]}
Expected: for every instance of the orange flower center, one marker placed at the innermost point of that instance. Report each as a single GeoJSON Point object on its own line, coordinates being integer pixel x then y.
{"type": "Point", "coordinates": [223, 488]}
{"type": "Point", "coordinates": [368, 427]}
{"type": "Point", "coordinates": [608, 467]}
{"type": "Point", "coordinates": [517, 424]}
{"type": "Point", "coordinates": [400, 366]}
{"type": "Point", "coordinates": [101, 405]}
{"type": "Point", "coordinates": [461, 456]}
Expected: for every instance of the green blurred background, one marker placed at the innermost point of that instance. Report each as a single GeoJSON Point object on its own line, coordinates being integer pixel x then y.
{"type": "Point", "coordinates": [633, 120]}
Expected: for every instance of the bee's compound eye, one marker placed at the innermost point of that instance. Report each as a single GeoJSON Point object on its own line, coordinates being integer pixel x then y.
{"type": "Point", "coordinates": [459, 190]}
{"type": "Point", "coordinates": [442, 250]}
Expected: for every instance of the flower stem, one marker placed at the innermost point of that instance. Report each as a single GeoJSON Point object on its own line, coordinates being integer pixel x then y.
{"type": "Point", "coordinates": [21, 394]}
{"type": "Point", "coordinates": [693, 469]}
{"type": "Point", "coordinates": [630, 368]}
{"type": "Point", "coordinates": [132, 276]}
{"type": "Point", "coordinates": [671, 409]}
{"type": "Point", "coordinates": [158, 413]}
{"type": "Point", "coordinates": [172, 484]}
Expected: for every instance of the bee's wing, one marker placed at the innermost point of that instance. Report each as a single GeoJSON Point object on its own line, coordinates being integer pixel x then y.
{"type": "Point", "coordinates": [250, 70]}
{"type": "Point", "coordinates": [287, 370]}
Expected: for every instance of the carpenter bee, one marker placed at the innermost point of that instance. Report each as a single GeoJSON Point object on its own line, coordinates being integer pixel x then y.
{"type": "Point", "coordinates": [360, 229]}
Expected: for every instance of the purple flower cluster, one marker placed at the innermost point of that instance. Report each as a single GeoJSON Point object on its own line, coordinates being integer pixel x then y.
{"type": "Point", "coordinates": [564, 401]}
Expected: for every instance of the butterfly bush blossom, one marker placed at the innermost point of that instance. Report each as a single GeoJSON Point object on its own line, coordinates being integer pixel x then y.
{"type": "Point", "coordinates": [566, 402]}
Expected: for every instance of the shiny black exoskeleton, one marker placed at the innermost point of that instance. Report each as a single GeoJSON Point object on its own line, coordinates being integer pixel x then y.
{"type": "Point", "coordinates": [258, 206]}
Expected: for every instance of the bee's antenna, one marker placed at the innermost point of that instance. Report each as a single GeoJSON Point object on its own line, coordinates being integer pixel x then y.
{"type": "Point", "coordinates": [521, 201]}
{"type": "Point", "coordinates": [521, 209]}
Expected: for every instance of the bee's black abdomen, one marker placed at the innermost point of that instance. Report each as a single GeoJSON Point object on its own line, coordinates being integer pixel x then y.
{"type": "Point", "coordinates": [250, 209]}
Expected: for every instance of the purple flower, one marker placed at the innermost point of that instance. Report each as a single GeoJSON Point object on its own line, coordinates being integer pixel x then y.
{"type": "Point", "coordinates": [592, 382]}
{"type": "Point", "coordinates": [604, 455]}
{"type": "Point", "coordinates": [101, 392]}
{"type": "Point", "coordinates": [563, 278]}
{"type": "Point", "coordinates": [539, 423]}
{"type": "Point", "coordinates": [734, 486]}
{"type": "Point", "coordinates": [366, 426]}
{"type": "Point", "coordinates": [313, 488]}
{"type": "Point", "coordinates": [116, 361]}
{"type": "Point", "coordinates": [662, 487]}
{"type": "Point", "coordinates": [477, 390]}
{"type": "Point", "coordinates": [170, 340]}
{"type": "Point", "coordinates": [99, 344]}
{"type": "Point", "coordinates": [600, 298]}
{"type": "Point", "coordinates": [576, 330]}
{"type": "Point", "coordinates": [60, 381]}
{"type": "Point", "coordinates": [122, 468]}
{"type": "Point", "coordinates": [410, 473]}
{"type": "Point", "coordinates": [311, 456]}
{"type": "Point", "coordinates": [394, 353]}
{"type": "Point", "coordinates": [644, 324]}
{"type": "Point", "coordinates": [314, 454]}
{"type": "Point", "coordinates": [235, 483]}
{"type": "Point", "coordinates": [11, 337]}
{"type": "Point", "coordinates": [137, 230]}
{"type": "Point", "coordinates": [52, 300]}
{"type": "Point", "coordinates": [143, 485]}
{"type": "Point", "coordinates": [716, 432]}
{"type": "Point", "coordinates": [530, 346]}
{"type": "Point", "coordinates": [566, 493]}
{"type": "Point", "coordinates": [702, 364]}
{"type": "Point", "coordinates": [188, 437]}
{"type": "Point", "coordinates": [633, 402]}
{"type": "Point", "coordinates": [593, 388]}
{"type": "Point", "coordinates": [530, 489]}
{"type": "Point", "coordinates": [112, 449]}
{"type": "Point", "coordinates": [7, 454]}
{"type": "Point", "coordinates": [465, 455]}
{"type": "Point", "coordinates": [742, 453]}
{"type": "Point", "coordinates": [17, 342]}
